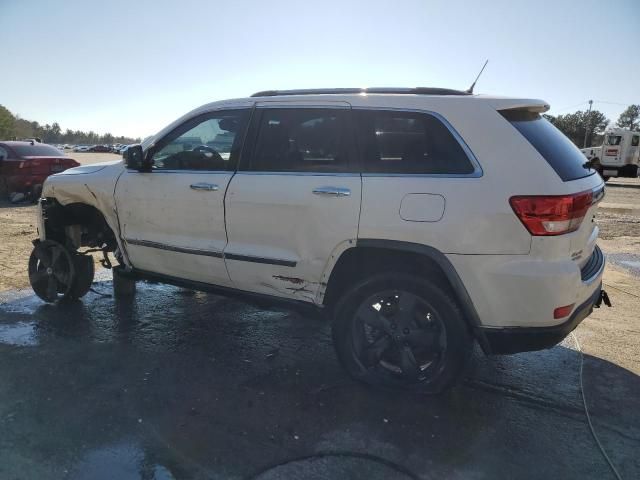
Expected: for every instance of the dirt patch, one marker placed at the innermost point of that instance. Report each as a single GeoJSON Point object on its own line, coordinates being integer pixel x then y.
{"type": "Point", "coordinates": [88, 158]}
{"type": "Point", "coordinates": [17, 230]}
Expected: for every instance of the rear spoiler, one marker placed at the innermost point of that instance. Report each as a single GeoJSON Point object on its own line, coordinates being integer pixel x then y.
{"type": "Point", "coordinates": [528, 104]}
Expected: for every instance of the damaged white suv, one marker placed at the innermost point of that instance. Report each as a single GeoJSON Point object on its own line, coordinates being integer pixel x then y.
{"type": "Point", "coordinates": [421, 220]}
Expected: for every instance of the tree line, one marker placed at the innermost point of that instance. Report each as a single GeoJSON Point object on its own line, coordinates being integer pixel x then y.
{"type": "Point", "coordinates": [592, 124]}
{"type": "Point", "coordinates": [12, 127]}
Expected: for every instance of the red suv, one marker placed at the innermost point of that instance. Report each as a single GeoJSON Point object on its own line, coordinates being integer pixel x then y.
{"type": "Point", "coordinates": [25, 165]}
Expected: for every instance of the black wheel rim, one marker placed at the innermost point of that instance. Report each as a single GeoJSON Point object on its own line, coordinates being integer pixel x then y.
{"type": "Point", "coordinates": [398, 335]}
{"type": "Point", "coordinates": [51, 271]}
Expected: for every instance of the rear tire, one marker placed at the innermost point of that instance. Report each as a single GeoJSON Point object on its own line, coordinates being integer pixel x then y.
{"type": "Point", "coordinates": [401, 331]}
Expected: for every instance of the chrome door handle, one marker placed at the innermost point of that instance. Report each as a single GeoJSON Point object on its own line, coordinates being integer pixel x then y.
{"type": "Point", "coordinates": [209, 187]}
{"type": "Point", "coordinates": [332, 191]}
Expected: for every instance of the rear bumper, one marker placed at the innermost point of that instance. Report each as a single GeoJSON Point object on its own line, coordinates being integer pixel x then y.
{"type": "Point", "coordinates": [516, 339]}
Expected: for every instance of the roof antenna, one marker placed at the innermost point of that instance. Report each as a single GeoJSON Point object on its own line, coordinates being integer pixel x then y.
{"type": "Point", "coordinates": [470, 89]}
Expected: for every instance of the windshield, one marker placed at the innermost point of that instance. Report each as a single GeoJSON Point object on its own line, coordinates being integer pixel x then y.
{"type": "Point", "coordinates": [614, 139]}
{"type": "Point", "coordinates": [36, 150]}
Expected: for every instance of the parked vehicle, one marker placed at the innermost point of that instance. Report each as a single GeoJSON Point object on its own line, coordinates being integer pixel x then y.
{"type": "Point", "coordinates": [99, 148]}
{"type": "Point", "coordinates": [81, 148]}
{"type": "Point", "coordinates": [619, 156]}
{"type": "Point", "coordinates": [25, 165]}
{"type": "Point", "coordinates": [394, 211]}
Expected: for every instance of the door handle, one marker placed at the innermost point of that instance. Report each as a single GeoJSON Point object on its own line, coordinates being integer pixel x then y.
{"type": "Point", "coordinates": [332, 191]}
{"type": "Point", "coordinates": [209, 187]}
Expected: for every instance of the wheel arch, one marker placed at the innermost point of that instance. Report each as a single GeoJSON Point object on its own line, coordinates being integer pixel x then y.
{"type": "Point", "coordinates": [60, 221]}
{"type": "Point", "coordinates": [376, 255]}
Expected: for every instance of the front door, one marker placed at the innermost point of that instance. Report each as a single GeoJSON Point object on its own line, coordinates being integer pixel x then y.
{"type": "Point", "coordinates": [295, 200]}
{"type": "Point", "coordinates": [172, 219]}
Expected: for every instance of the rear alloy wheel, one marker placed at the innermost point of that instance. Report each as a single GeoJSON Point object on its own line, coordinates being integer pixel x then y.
{"type": "Point", "coordinates": [402, 331]}
{"type": "Point", "coordinates": [51, 271]}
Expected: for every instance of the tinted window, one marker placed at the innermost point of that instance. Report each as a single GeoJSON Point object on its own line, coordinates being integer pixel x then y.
{"type": "Point", "coordinates": [301, 140]}
{"type": "Point", "coordinates": [36, 150]}
{"type": "Point", "coordinates": [210, 142]}
{"type": "Point", "coordinates": [3, 154]}
{"type": "Point", "coordinates": [559, 152]}
{"type": "Point", "coordinates": [406, 142]}
{"type": "Point", "coordinates": [635, 140]}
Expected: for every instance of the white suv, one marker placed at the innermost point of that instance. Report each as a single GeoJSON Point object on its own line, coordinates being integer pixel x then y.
{"type": "Point", "coordinates": [419, 219]}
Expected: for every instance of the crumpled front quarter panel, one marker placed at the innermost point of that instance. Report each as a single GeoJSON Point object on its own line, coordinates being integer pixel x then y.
{"type": "Point", "coordinates": [95, 189]}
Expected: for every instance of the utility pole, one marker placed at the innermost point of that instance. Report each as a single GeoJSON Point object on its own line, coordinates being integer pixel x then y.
{"type": "Point", "coordinates": [588, 121]}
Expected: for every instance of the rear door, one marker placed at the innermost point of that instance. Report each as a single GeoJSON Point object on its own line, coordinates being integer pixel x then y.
{"type": "Point", "coordinates": [295, 200]}
{"type": "Point", "coordinates": [612, 150]}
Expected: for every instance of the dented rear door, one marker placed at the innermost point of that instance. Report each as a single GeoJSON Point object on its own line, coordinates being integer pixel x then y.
{"type": "Point", "coordinates": [295, 201]}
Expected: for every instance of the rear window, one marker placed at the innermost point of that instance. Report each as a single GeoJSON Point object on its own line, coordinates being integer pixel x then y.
{"type": "Point", "coordinates": [559, 152]}
{"type": "Point", "coordinates": [36, 150]}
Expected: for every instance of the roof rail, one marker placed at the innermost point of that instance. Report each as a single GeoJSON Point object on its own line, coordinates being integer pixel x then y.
{"type": "Point", "coordinates": [347, 91]}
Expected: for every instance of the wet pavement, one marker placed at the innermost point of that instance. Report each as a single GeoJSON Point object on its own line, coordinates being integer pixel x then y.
{"type": "Point", "coordinates": [176, 384]}
{"type": "Point", "coordinates": [629, 261]}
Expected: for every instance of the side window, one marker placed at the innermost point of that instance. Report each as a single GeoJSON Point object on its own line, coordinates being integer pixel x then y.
{"type": "Point", "coordinates": [407, 142]}
{"type": "Point", "coordinates": [210, 142]}
{"type": "Point", "coordinates": [301, 140]}
{"type": "Point", "coordinates": [3, 154]}
{"type": "Point", "coordinates": [635, 140]}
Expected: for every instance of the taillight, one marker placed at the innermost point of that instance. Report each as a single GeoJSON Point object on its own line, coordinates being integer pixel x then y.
{"type": "Point", "coordinates": [552, 215]}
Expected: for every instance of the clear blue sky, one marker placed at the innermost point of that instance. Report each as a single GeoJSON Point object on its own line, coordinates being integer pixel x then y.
{"type": "Point", "coordinates": [130, 67]}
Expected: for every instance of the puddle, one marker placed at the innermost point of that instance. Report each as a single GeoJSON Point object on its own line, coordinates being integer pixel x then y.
{"type": "Point", "coordinates": [631, 263]}
{"type": "Point", "coordinates": [22, 334]}
{"type": "Point", "coordinates": [124, 461]}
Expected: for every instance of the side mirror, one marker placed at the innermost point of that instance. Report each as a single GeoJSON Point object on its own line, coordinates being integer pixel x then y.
{"type": "Point", "coordinates": [135, 158]}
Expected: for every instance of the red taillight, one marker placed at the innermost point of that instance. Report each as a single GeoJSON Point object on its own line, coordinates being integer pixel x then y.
{"type": "Point", "coordinates": [552, 215]}
{"type": "Point", "coordinates": [562, 312]}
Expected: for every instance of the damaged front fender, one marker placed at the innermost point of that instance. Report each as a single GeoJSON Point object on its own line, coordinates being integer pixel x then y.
{"type": "Point", "coordinates": [91, 185]}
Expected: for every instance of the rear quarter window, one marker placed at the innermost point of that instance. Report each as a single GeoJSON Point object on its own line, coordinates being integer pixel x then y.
{"type": "Point", "coordinates": [559, 152]}
{"type": "Point", "coordinates": [398, 142]}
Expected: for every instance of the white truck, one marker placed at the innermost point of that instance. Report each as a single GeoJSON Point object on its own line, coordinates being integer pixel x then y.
{"type": "Point", "coordinates": [619, 155]}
